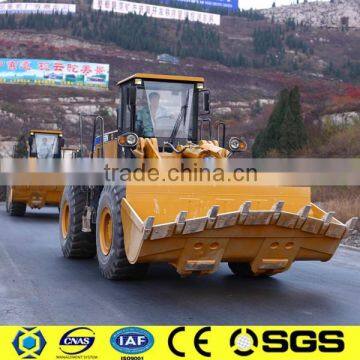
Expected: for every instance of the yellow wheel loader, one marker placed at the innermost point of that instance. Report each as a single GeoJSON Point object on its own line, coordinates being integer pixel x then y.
{"type": "Point", "coordinates": [42, 144]}
{"type": "Point", "coordinates": [257, 230]}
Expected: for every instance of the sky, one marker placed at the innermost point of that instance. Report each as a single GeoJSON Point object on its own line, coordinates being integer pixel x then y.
{"type": "Point", "coordinates": [263, 4]}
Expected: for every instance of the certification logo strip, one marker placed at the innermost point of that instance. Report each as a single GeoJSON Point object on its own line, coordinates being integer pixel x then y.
{"type": "Point", "coordinates": [132, 340]}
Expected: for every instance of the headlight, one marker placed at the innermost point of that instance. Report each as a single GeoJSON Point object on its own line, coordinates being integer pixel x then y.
{"type": "Point", "coordinates": [237, 144]}
{"type": "Point", "coordinates": [128, 140]}
{"type": "Point", "coordinates": [132, 139]}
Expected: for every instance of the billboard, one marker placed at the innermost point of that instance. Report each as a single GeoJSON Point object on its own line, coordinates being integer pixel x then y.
{"type": "Point", "coordinates": [54, 72]}
{"type": "Point", "coordinates": [161, 12]}
{"type": "Point", "coordinates": [31, 8]}
{"type": "Point", "coordinates": [228, 4]}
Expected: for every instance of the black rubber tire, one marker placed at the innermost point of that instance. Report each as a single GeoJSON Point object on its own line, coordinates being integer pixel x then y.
{"type": "Point", "coordinates": [76, 244]}
{"type": "Point", "coordinates": [115, 265]}
{"type": "Point", "coordinates": [7, 199]}
{"type": "Point", "coordinates": [244, 270]}
{"type": "Point", "coordinates": [14, 208]}
{"type": "Point", "coordinates": [17, 209]}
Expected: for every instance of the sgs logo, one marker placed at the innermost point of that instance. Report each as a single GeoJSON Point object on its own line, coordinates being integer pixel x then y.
{"type": "Point", "coordinates": [244, 342]}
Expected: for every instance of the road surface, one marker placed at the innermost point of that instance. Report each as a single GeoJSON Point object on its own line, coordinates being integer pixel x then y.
{"type": "Point", "coordinates": [38, 285]}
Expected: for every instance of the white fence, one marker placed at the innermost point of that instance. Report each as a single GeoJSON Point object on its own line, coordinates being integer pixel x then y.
{"type": "Point", "coordinates": [162, 12]}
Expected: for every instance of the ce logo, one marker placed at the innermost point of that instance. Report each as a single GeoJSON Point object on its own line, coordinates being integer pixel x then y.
{"type": "Point", "coordinates": [198, 341]}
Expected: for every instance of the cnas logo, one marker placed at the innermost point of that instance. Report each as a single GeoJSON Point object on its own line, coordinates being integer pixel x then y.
{"type": "Point", "coordinates": [244, 343]}
{"type": "Point", "coordinates": [132, 340]}
{"type": "Point", "coordinates": [29, 343]}
{"type": "Point", "coordinates": [77, 341]}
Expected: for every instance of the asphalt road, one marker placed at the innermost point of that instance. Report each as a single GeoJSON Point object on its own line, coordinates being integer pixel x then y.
{"type": "Point", "coordinates": [38, 285]}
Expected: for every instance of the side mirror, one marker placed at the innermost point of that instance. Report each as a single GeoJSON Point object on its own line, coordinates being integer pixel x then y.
{"type": "Point", "coordinates": [131, 96]}
{"type": "Point", "coordinates": [205, 102]}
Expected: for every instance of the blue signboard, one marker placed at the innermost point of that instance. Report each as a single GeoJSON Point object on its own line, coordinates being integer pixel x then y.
{"type": "Point", "coordinates": [228, 4]}
{"type": "Point", "coordinates": [54, 72]}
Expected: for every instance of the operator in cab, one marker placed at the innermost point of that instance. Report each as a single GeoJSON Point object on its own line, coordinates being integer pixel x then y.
{"type": "Point", "coordinates": [151, 116]}
{"type": "Point", "coordinates": [45, 150]}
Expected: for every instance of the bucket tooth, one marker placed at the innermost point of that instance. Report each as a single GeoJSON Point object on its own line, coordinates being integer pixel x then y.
{"type": "Point", "coordinates": [212, 215]}
{"type": "Point", "coordinates": [312, 225]}
{"type": "Point", "coordinates": [277, 208]}
{"type": "Point", "coordinates": [180, 222]}
{"type": "Point", "coordinates": [258, 218]}
{"type": "Point", "coordinates": [195, 225]}
{"type": "Point", "coordinates": [291, 220]}
{"type": "Point", "coordinates": [226, 219]}
{"type": "Point", "coordinates": [244, 211]}
{"type": "Point", "coordinates": [351, 226]}
{"type": "Point", "coordinates": [287, 219]}
{"type": "Point", "coordinates": [303, 215]}
{"type": "Point", "coordinates": [148, 224]}
{"type": "Point", "coordinates": [162, 231]}
{"type": "Point", "coordinates": [326, 221]}
{"type": "Point", "coordinates": [335, 230]}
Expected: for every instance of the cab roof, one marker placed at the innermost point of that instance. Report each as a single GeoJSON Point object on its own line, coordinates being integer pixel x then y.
{"type": "Point", "coordinates": [42, 131]}
{"type": "Point", "coordinates": [180, 78]}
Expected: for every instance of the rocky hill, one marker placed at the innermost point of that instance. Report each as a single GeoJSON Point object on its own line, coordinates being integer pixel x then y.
{"type": "Point", "coordinates": [332, 14]}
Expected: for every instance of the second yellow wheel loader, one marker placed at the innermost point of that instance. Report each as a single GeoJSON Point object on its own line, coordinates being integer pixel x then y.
{"type": "Point", "coordinates": [257, 230]}
{"type": "Point", "coordinates": [42, 144]}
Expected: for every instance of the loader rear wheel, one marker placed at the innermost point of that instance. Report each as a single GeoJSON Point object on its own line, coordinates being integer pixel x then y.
{"type": "Point", "coordinates": [14, 208]}
{"type": "Point", "coordinates": [74, 243]}
{"type": "Point", "coordinates": [110, 245]}
{"type": "Point", "coordinates": [244, 270]}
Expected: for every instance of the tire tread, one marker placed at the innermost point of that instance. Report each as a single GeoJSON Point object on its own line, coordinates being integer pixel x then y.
{"type": "Point", "coordinates": [77, 244]}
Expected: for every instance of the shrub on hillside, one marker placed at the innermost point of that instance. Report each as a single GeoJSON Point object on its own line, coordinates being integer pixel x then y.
{"type": "Point", "coordinates": [285, 132]}
{"type": "Point", "coordinates": [20, 148]}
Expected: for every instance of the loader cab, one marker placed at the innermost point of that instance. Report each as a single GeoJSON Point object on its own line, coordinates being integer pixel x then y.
{"type": "Point", "coordinates": [164, 107]}
{"type": "Point", "coordinates": [45, 144]}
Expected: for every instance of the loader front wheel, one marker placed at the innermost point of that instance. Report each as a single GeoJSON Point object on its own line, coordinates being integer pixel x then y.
{"type": "Point", "coordinates": [17, 209]}
{"type": "Point", "coordinates": [244, 270]}
{"type": "Point", "coordinates": [14, 208]}
{"type": "Point", "coordinates": [74, 243]}
{"type": "Point", "coordinates": [8, 199]}
{"type": "Point", "coordinates": [110, 245]}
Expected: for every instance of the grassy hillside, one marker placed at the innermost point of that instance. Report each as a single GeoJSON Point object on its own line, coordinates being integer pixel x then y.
{"type": "Point", "coordinates": [246, 61]}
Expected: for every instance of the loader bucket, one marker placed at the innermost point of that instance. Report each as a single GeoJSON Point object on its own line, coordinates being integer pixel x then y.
{"type": "Point", "coordinates": [37, 197]}
{"type": "Point", "coordinates": [196, 227]}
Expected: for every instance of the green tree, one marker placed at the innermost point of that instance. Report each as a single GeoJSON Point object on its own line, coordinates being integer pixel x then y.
{"type": "Point", "coordinates": [285, 131]}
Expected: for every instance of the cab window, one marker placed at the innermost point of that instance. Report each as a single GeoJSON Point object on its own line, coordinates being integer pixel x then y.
{"type": "Point", "coordinates": [45, 146]}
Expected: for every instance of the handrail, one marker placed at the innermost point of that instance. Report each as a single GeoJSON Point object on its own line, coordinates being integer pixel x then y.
{"type": "Point", "coordinates": [221, 125]}
{"type": "Point", "coordinates": [98, 119]}
{"type": "Point", "coordinates": [202, 121]}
